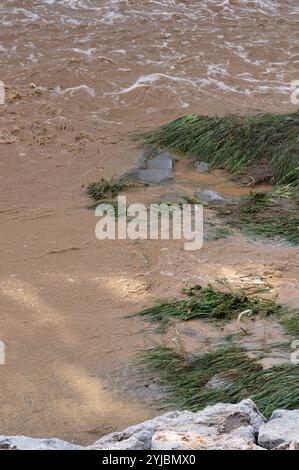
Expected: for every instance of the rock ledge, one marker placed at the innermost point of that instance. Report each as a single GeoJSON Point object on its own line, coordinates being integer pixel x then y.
{"type": "Point", "coordinates": [219, 427]}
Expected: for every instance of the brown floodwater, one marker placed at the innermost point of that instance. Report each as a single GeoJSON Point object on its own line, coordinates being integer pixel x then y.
{"type": "Point", "coordinates": [80, 76]}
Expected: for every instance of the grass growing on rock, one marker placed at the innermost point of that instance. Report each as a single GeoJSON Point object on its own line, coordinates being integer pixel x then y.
{"type": "Point", "coordinates": [235, 143]}
{"type": "Point", "coordinates": [241, 377]}
{"type": "Point", "coordinates": [211, 303]}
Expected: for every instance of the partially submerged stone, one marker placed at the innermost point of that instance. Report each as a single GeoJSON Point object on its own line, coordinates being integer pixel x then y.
{"type": "Point", "coordinates": [155, 169]}
{"type": "Point", "coordinates": [212, 197]}
{"type": "Point", "coordinates": [202, 167]}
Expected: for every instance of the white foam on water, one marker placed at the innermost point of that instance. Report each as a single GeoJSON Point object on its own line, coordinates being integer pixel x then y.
{"type": "Point", "coordinates": [275, 89]}
{"type": "Point", "coordinates": [88, 52]}
{"type": "Point", "coordinates": [112, 16]}
{"type": "Point", "coordinates": [29, 14]}
{"type": "Point", "coordinates": [88, 89]}
{"type": "Point", "coordinates": [144, 80]}
{"type": "Point", "coordinates": [72, 90]}
{"type": "Point", "coordinates": [217, 69]}
{"type": "Point", "coordinates": [240, 51]}
{"type": "Point", "coordinates": [176, 29]}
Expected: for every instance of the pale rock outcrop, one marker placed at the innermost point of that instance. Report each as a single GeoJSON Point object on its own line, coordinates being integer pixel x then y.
{"type": "Point", "coordinates": [207, 426]}
{"type": "Point", "coordinates": [174, 440]}
{"type": "Point", "coordinates": [219, 427]}
{"type": "Point", "coordinates": [281, 430]}
{"type": "Point", "coordinates": [32, 443]}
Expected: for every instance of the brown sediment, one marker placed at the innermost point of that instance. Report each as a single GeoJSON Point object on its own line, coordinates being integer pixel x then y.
{"type": "Point", "coordinates": [71, 72]}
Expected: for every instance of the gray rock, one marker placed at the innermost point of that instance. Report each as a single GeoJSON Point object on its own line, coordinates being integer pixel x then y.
{"type": "Point", "coordinates": [208, 424]}
{"type": "Point", "coordinates": [292, 445]}
{"type": "Point", "coordinates": [139, 440]}
{"type": "Point", "coordinates": [162, 161]}
{"type": "Point", "coordinates": [152, 176]}
{"type": "Point", "coordinates": [174, 440]}
{"type": "Point", "coordinates": [32, 443]}
{"type": "Point", "coordinates": [245, 432]}
{"type": "Point", "coordinates": [222, 426]}
{"type": "Point", "coordinates": [202, 167]}
{"type": "Point", "coordinates": [155, 168]}
{"type": "Point", "coordinates": [228, 417]}
{"type": "Point", "coordinates": [213, 197]}
{"type": "Point", "coordinates": [281, 429]}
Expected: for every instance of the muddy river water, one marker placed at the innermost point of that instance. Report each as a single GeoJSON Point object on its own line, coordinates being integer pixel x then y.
{"type": "Point", "coordinates": [80, 75]}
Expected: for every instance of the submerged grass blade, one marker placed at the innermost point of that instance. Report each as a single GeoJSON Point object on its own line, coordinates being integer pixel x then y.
{"type": "Point", "coordinates": [240, 377]}
{"type": "Point", "coordinates": [291, 324]}
{"type": "Point", "coordinates": [286, 228]}
{"type": "Point", "coordinates": [267, 214]}
{"type": "Point", "coordinates": [209, 302]}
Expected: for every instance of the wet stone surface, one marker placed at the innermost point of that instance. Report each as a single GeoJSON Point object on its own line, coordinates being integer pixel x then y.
{"type": "Point", "coordinates": [155, 169]}
{"type": "Point", "coordinates": [201, 167]}
{"type": "Point", "coordinates": [213, 197]}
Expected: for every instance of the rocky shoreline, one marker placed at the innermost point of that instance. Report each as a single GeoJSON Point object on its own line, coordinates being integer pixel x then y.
{"type": "Point", "coordinates": [220, 427]}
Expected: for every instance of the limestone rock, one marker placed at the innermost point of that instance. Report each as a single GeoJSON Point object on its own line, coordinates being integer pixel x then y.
{"type": "Point", "coordinates": [281, 429]}
{"type": "Point", "coordinates": [220, 427]}
{"type": "Point", "coordinates": [174, 440]}
{"type": "Point", "coordinates": [208, 423]}
{"type": "Point", "coordinates": [31, 443]}
{"type": "Point", "coordinates": [134, 438]}
{"type": "Point", "coordinates": [292, 445]}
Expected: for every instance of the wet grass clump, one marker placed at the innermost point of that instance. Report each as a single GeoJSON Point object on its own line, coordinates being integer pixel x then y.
{"type": "Point", "coordinates": [255, 203]}
{"type": "Point", "coordinates": [105, 188]}
{"type": "Point", "coordinates": [288, 191]}
{"type": "Point", "coordinates": [291, 324]}
{"type": "Point", "coordinates": [211, 303]}
{"type": "Point", "coordinates": [235, 143]}
{"type": "Point", "coordinates": [238, 377]}
{"type": "Point", "coordinates": [272, 215]}
{"type": "Point", "coordinates": [286, 228]}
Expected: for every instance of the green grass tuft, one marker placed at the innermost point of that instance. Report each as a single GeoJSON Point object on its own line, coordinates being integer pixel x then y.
{"type": "Point", "coordinates": [235, 143]}
{"type": "Point", "coordinates": [276, 387]}
{"type": "Point", "coordinates": [291, 324]}
{"type": "Point", "coordinates": [272, 215]}
{"type": "Point", "coordinates": [105, 188]}
{"type": "Point", "coordinates": [211, 303]}
{"type": "Point", "coordinates": [288, 191]}
{"type": "Point", "coordinates": [286, 228]}
{"type": "Point", "coordinates": [255, 202]}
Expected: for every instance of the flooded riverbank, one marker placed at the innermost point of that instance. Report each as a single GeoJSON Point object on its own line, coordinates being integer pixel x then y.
{"type": "Point", "coordinates": [80, 77]}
